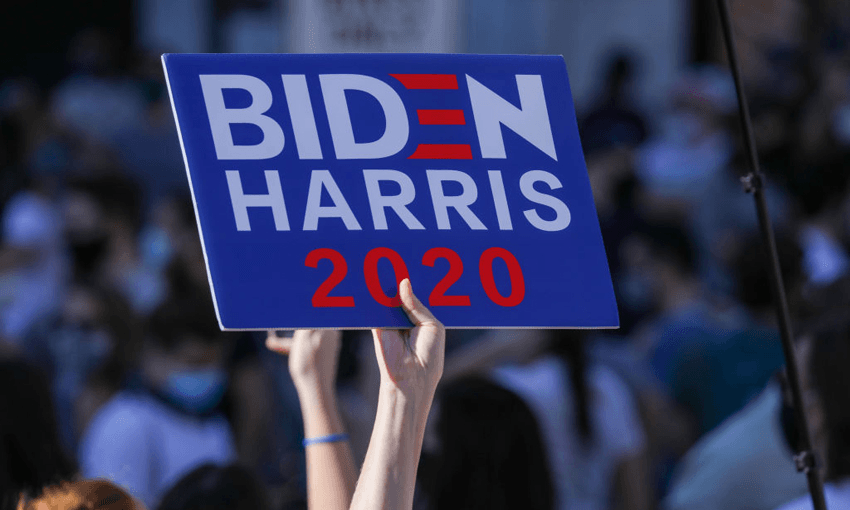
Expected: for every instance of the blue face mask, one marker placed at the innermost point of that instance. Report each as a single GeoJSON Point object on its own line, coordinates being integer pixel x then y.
{"type": "Point", "coordinates": [196, 391]}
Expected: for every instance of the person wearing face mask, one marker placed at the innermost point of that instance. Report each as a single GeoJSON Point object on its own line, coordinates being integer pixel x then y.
{"type": "Point", "coordinates": [168, 420]}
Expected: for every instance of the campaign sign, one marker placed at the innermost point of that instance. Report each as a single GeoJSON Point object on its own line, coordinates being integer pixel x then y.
{"type": "Point", "coordinates": [321, 181]}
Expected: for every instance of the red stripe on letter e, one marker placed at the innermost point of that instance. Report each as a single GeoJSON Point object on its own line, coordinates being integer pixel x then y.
{"type": "Point", "coordinates": [427, 81]}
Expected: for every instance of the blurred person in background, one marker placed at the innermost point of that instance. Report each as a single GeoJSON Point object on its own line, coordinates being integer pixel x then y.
{"type": "Point", "coordinates": [724, 214]}
{"type": "Point", "coordinates": [821, 181]}
{"type": "Point", "coordinates": [36, 472]}
{"type": "Point", "coordinates": [713, 380]}
{"type": "Point", "coordinates": [590, 426]}
{"type": "Point", "coordinates": [591, 417]}
{"type": "Point", "coordinates": [32, 456]}
{"type": "Point", "coordinates": [613, 121]}
{"type": "Point", "coordinates": [168, 421]}
{"type": "Point", "coordinates": [772, 40]}
{"type": "Point", "coordinates": [823, 356]}
{"type": "Point", "coordinates": [104, 222]}
{"type": "Point", "coordinates": [747, 462]}
{"type": "Point", "coordinates": [211, 487]}
{"type": "Point", "coordinates": [33, 264]}
{"type": "Point", "coordinates": [693, 143]}
{"type": "Point", "coordinates": [81, 495]}
{"type": "Point", "coordinates": [96, 100]}
{"type": "Point", "coordinates": [87, 348]}
{"type": "Point", "coordinates": [659, 286]}
{"type": "Point", "coordinates": [660, 269]}
{"type": "Point", "coordinates": [822, 128]}
{"type": "Point", "coordinates": [169, 247]}
{"type": "Point", "coordinates": [486, 451]}
{"type": "Point", "coordinates": [150, 149]}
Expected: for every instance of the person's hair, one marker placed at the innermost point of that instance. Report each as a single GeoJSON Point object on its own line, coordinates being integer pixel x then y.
{"type": "Point", "coordinates": [177, 320]}
{"type": "Point", "coordinates": [123, 326]}
{"type": "Point", "coordinates": [492, 454]}
{"type": "Point", "coordinates": [84, 495]}
{"type": "Point", "coordinates": [672, 243]}
{"type": "Point", "coordinates": [751, 269]}
{"type": "Point", "coordinates": [181, 284]}
{"type": "Point", "coordinates": [620, 70]}
{"type": "Point", "coordinates": [819, 301]}
{"type": "Point", "coordinates": [116, 193]}
{"type": "Point", "coordinates": [31, 453]}
{"type": "Point", "coordinates": [829, 376]}
{"type": "Point", "coordinates": [11, 137]}
{"type": "Point", "coordinates": [569, 345]}
{"type": "Point", "coordinates": [211, 487]}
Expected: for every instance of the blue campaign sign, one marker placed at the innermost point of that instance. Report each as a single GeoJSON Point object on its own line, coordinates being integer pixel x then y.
{"type": "Point", "coordinates": [320, 181]}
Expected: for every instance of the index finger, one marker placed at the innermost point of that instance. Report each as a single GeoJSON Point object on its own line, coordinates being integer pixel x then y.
{"type": "Point", "coordinates": [279, 345]}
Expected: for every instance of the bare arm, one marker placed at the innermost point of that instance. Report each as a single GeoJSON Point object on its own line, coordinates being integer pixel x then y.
{"type": "Point", "coordinates": [411, 364]}
{"type": "Point", "coordinates": [331, 473]}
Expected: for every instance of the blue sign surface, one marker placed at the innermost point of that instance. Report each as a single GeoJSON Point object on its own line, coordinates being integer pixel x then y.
{"type": "Point", "coordinates": [320, 181]}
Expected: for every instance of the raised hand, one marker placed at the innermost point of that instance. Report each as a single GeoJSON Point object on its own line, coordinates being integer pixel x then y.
{"type": "Point", "coordinates": [411, 364]}
{"type": "Point", "coordinates": [313, 357]}
{"type": "Point", "coordinates": [411, 361]}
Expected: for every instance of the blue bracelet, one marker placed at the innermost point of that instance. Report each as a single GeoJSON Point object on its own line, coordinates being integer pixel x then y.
{"type": "Point", "coordinates": [333, 438]}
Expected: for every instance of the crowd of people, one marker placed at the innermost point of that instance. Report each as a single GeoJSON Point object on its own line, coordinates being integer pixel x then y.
{"type": "Point", "coordinates": [117, 387]}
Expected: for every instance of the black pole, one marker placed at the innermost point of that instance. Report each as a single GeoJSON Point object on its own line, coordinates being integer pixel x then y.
{"type": "Point", "coordinates": [754, 183]}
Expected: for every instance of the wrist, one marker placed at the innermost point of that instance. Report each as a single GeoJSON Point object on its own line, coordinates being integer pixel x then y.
{"type": "Point", "coordinates": [406, 395]}
{"type": "Point", "coordinates": [321, 419]}
{"type": "Point", "coordinates": [326, 439]}
{"type": "Point", "coordinates": [413, 404]}
{"type": "Point", "coordinates": [314, 391]}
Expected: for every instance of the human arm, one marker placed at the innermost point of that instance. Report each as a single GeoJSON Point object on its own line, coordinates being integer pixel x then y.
{"type": "Point", "coordinates": [411, 364]}
{"type": "Point", "coordinates": [331, 472]}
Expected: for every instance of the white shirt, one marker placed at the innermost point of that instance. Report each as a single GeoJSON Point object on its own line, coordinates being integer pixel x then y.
{"type": "Point", "coordinates": [837, 498]}
{"type": "Point", "coordinates": [743, 464]}
{"type": "Point", "coordinates": [146, 446]}
{"type": "Point", "coordinates": [582, 479]}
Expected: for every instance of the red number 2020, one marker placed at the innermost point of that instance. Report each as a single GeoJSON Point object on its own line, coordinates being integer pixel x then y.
{"type": "Point", "coordinates": [438, 296]}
